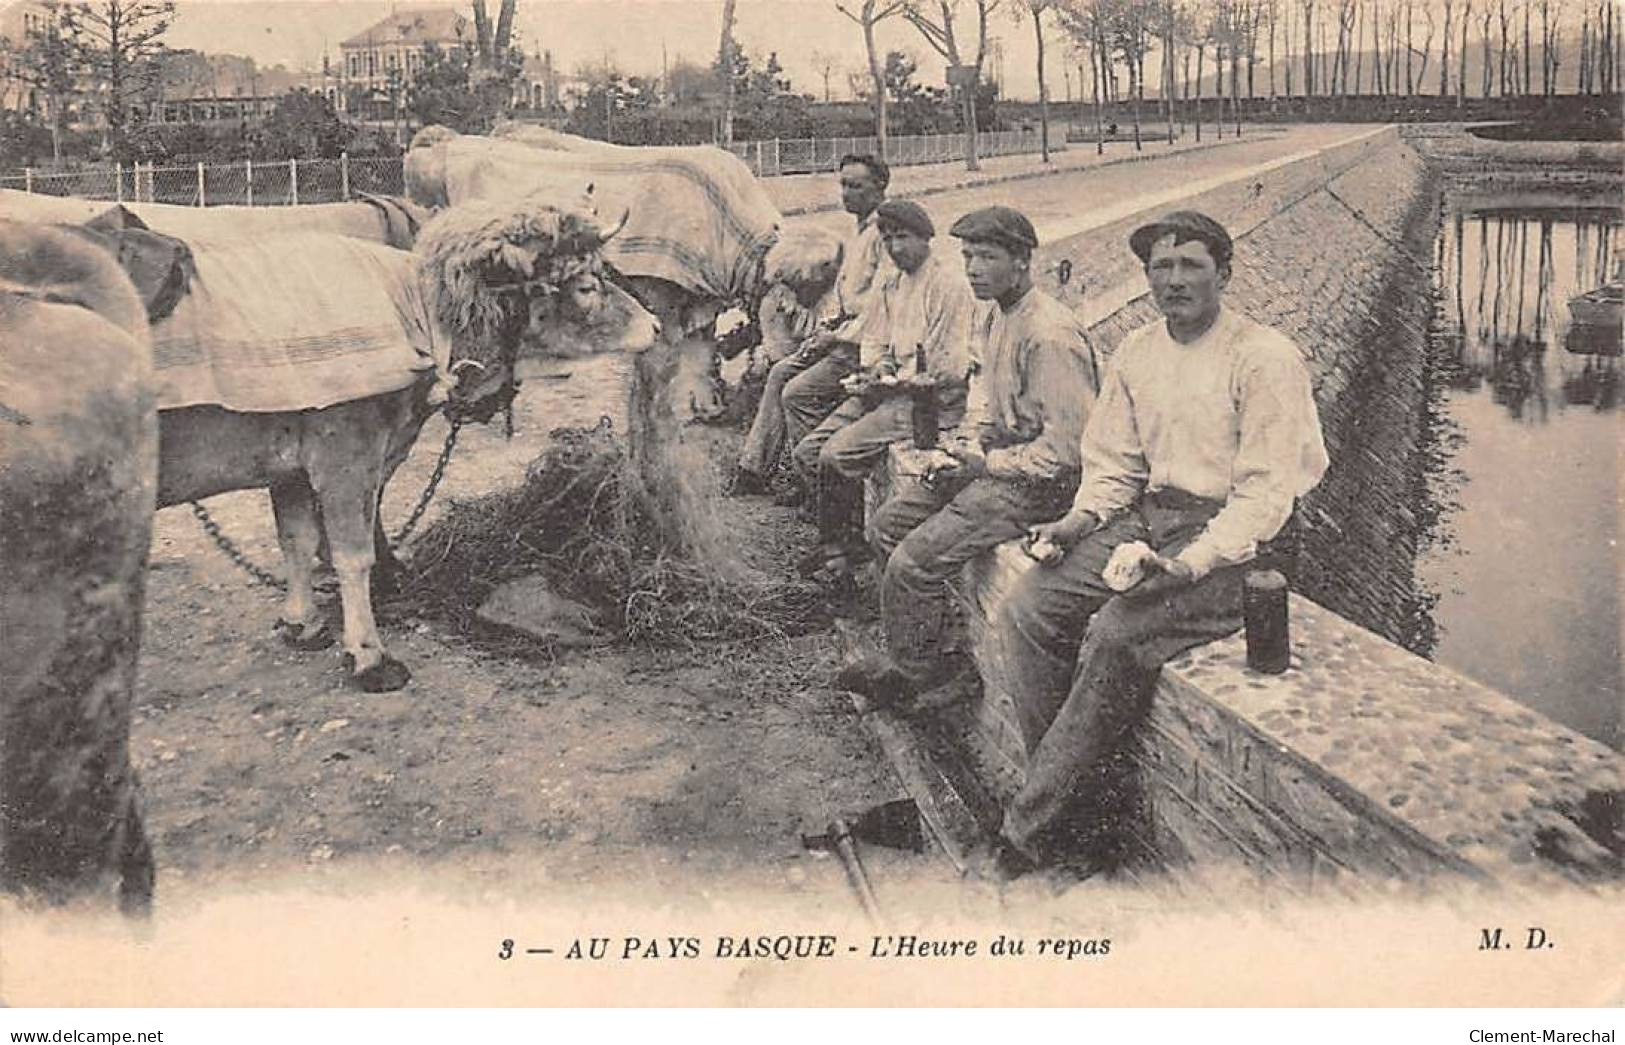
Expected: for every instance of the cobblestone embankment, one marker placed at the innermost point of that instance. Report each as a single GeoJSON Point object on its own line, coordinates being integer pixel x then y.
{"type": "Point", "coordinates": [1365, 758]}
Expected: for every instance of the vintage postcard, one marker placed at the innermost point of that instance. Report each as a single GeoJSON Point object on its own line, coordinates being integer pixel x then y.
{"type": "Point", "coordinates": [786, 502]}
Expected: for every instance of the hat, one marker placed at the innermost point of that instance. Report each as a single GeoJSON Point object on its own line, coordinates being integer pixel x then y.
{"type": "Point", "coordinates": [1185, 225]}
{"type": "Point", "coordinates": [905, 214]}
{"type": "Point", "coordinates": [1006, 226]}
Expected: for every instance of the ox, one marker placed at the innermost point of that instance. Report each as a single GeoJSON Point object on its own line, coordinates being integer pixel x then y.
{"type": "Point", "coordinates": [78, 469]}
{"type": "Point", "coordinates": [696, 253]}
{"type": "Point", "coordinates": [484, 281]}
{"type": "Point", "coordinates": [380, 219]}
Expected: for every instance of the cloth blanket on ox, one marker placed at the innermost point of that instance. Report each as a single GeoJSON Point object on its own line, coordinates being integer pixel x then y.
{"type": "Point", "coordinates": [296, 322]}
{"type": "Point", "coordinates": [385, 219]}
{"type": "Point", "coordinates": [697, 217]}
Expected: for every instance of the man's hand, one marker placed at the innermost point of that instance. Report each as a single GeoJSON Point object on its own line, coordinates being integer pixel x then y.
{"type": "Point", "coordinates": [1163, 576]}
{"type": "Point", "coordinates": [817, 345]}
{"type": "Point", "coordinates": [957, 457]}
{"type": "Point", "coordinates": [918, 381]}
{"type": "Point", "coordinates": [1048, 542]}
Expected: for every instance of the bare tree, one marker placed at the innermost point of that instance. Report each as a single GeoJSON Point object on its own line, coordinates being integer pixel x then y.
{"type": "Point", "coordinates": [1036, 9]}
{"type": "Point", "coordinates": [117, 42]}
{"type": "Point", "coordinates": [1484, 35]}
{"type": "Point", "coordinates": [868, 15]}
{"type": "Point", "coordinates": [825, 63]}
{"type": "Point", "coordinates": [1528, 51]}
{"type": "Point", "coordinates": [725, 65]}
{"type": "Point", "coordinates": [1461, 54]}
{"type": "Point", "coordinates": [1427, 49]}
{"type": "Point", "coordinates": [935, 22]}
{"type": "Point", "coordinates": [1308, 47]}
{"type": "Point", "coordinates": [1444, 54]}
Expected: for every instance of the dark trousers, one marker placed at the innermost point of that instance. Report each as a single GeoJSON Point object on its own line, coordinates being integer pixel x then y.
{"type": "Point", "coordinates": [1084, 660]}
{"type": "Point", "coordinates": [925, 536]}
{"type": "Point", "coordinates": [766, 439]}
{"type": "Point", "coordinates": [811, 394]}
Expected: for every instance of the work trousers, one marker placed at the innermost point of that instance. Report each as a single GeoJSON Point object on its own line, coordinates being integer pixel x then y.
{"type": "Point", "coordinates": [1078, 703]}
{"type": "Point", "coordinates": [765, 441]}
{"type": "Point", "coordinates": [925, 536]}
{"type": "Point", "coordinates": [835, 456]}
{"type": "Point", "coordinates": [814, 391]}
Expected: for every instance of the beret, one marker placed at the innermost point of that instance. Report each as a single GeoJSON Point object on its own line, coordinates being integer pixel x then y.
{"type": "Point", "coordinates": [905, 214]}
{"type": "Point", "coordinates": [1185, 225]}
{"type": "Point", "coordinates": [1004, 226]}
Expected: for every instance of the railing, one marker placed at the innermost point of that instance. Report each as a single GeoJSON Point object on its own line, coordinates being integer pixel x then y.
{"type": "Point", "coordinates": [780, 156]}
{"type": "Point", "coordinates": [287, 182]}
{"type": "Point", "coordinates": [256, 183]}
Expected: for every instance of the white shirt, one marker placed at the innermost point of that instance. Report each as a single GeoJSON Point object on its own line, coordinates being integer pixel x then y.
{"type": "Point", "coordinates": [1230, 417]}
{"type": "Point", "coordinates": [931, 307]}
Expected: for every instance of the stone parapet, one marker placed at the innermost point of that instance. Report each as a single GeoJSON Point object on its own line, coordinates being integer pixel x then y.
{"type": "Point", "coordinates": [1364, 760]}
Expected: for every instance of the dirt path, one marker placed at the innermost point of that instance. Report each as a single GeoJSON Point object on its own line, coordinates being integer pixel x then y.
{"type": "Point", "coordinates": [256, 759]}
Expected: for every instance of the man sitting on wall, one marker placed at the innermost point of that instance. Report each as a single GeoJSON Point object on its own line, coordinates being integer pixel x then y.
{"type": "Point", "coordinates": [1013, 461]}
{"type": "Point", "coordinates": [1204, 435]}
{"type": "Point", "coordinates": [811, 378]}
{"type": "Point", "coordinates": [915, 336]}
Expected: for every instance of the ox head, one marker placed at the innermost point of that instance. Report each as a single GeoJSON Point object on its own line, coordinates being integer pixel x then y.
{"type": "Point", "coordinates": [522, 277]}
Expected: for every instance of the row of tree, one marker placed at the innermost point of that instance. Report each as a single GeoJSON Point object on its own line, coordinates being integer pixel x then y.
{"type": "Point", "coordinates": [1326, 48]}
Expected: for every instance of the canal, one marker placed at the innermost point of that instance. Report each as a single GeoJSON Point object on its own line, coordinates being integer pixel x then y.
{"type": "Point", "coordinates": [1525, 561]}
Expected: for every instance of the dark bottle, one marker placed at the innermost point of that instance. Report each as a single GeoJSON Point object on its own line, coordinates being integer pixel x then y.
{"type": "Point", "coordinates": [925, 407]}
{"type": "Point", "coordinates": [1263, 608]}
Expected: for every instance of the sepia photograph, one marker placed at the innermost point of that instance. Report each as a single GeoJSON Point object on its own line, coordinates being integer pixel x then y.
{"type": "Point", "coordinates": [723, 503]}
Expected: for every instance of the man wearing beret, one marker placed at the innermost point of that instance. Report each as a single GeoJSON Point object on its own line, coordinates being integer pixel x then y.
{"type": "Point", "coordinates": [1013, 461]}
{"type": "Point", "coordinates": [1204, 435]}
{"type": "Point", "coordinates": [914, 335]}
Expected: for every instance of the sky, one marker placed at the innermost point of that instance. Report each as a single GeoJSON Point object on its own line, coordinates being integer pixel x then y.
{"type": "Point", "coordinates": [631, 33]}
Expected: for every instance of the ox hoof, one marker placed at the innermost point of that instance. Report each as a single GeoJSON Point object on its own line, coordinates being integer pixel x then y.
{"type": "Point", "coordinates": [385, 676]}
{"type": "Point", "coordinates": [305, 636]}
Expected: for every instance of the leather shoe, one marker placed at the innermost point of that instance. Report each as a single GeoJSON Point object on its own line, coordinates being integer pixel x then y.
{"type": "Point", "coordinates": [1000, 862]}
{"type": "Point", "coordinates": [877, 678]}
{"type": "Point", "coordinates": [748, 484]}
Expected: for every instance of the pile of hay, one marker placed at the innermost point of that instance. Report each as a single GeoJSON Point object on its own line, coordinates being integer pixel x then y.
{"type": "Point", "coordinates": [588, 522]}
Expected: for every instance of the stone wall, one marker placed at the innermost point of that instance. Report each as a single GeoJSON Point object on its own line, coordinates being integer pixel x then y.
{"type": "Point", "coordinates": [1364, 758]}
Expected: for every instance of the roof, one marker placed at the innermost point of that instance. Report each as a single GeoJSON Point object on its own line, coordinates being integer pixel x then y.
{"type": "Point", "coordinates": [441, 25]}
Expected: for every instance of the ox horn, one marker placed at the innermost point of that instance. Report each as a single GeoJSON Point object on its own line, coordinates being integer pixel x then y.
{"type": "Point", "coordinates": [617, 227]}
{"type": "Point", "coordinates": [458, 367]}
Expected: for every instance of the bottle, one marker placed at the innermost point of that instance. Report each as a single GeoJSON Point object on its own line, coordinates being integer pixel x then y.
{"type": "Point", "coordinates": [925, 407]}
{"type": "Point", "coordinates": [1263, 609]}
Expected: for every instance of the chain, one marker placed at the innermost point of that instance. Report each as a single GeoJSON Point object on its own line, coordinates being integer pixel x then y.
{"type": "Point", "coordinates": [229, 548]}
{"type": "Point", "coordinates": [232, 552]}
{"type": "Point", "coordinates": [434, 482]}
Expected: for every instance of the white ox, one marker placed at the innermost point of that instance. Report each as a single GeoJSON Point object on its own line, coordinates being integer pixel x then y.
{"type": "Point", "coordinates": [484, 281]}
{"type": "Point", "coordinates": [78, 466]}
{"type": "Point", "coordinates": [380, 219]}
{"type": "Point", "coordinates": [698, 230]}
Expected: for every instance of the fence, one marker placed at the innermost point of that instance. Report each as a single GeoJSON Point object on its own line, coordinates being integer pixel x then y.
{"type": "Point", "coordinates": [283, 182]}
{"type": "Point", "coordinates": [287, 182]}
{"type": "Point", "coordinates": [780, 156]}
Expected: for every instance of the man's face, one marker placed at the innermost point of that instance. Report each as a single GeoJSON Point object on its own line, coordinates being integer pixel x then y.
{"type": "Point", "coordinates": [1186, 283]}
{"type": "Point", "coordinates": [908, 249]}
{"type": "Point", "coordinates": [993, 271]}
{"type": "Point", "coordinates": [860, 191]}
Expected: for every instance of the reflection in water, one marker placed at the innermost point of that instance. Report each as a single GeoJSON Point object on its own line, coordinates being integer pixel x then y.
{"type": "Point", "coordinates": [1528, 568]}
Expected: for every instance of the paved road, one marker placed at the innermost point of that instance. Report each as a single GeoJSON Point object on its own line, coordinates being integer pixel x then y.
{"type": "Point", "coordinates": [1065, 203]}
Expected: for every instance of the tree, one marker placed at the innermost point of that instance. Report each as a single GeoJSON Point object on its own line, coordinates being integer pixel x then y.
{"type": "Point", "coordinates": [302, 125]}
{"type": "Point", "coordinates": [1036, 10]}
{"type": "Point", "coordinates": [726, 60]}
{"type": "Point", "coordinates": [47, 61]}
{"type": "Point", "coordinates": [936, 23]}
{"type": "Point", "coordinates": [870, 14]}
{"type": "Point", "coordinates": [116, 43]}
{"type": "Point", "coordinates": [825, 63]}
{"type": "Point", "coordinates": [449, 90]}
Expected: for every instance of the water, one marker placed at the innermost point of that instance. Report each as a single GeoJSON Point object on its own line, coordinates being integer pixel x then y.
{"type": "Point", "coordinates": [1527, 567]}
